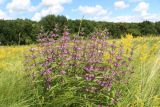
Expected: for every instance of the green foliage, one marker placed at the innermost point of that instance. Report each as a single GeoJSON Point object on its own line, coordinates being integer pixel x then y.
{"type": "Point", "coordinates": [18, 31]}
{"type": "Point", "coordinates": [21, 31]}
{"type": "Point", "coordinates": [147, 27]}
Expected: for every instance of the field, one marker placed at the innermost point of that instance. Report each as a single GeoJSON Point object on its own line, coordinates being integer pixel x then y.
{"type": "Point", "coordinates": [142, 89]}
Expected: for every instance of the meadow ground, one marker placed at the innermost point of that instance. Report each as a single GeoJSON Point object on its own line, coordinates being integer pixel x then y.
{"type": "Point", "coordinates": [142, 91]}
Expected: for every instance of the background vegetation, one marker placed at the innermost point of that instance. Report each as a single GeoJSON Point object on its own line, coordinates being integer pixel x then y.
{"type": "Point", "coordinates": [25, 31]}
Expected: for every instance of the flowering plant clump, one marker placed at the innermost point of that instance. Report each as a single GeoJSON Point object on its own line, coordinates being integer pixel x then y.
{"type": "Point", "coordinates": [77, 72]}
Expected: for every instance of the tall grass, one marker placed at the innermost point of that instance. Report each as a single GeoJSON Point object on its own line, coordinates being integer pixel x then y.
{"type": "Point", "coordinates": [13, 83]}
{"type": "Point", "coordinates": [143, 89]}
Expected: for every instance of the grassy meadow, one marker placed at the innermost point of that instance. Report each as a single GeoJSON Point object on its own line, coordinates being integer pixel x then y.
{"type": "Point", "coordinates": [143, 88]}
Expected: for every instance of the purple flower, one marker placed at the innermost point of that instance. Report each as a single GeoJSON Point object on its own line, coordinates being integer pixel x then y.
{"type": "Point", "coordinates": [46, 72]}
{"type": "Point", "coordinates": [49, 79]}
{"type": "Point", "coordinates": [54, 35]}
{"type": "Point", "coordinates": [89, 68]}
{"type": "Point", "coordinates": [63, 46]}
{"type": "Point", "coordinates": [62, 72]}
{"type": "Point", "coordinates": [112, 52]}
{"type": "Point", "coordinates": [76, 48]}
{"type": "Point", "coordinates": [66, 52]}
{"type": "Point", "coordinates": [49, 59]}
{"type": "Point", "coordinates": [129, 59]}
{"type": "Point", "coordinates": [118, 57]}
{"type": "Point", "coordinates": [101, 83]}
{"type": "Point", "coordinates": [89, 77]}
{"type": "Point", "coordinates": [116, 64]}
{"type": "Point", "coordinates": [34, 57]}
{"type": "Point", "coordinates": [66, 33]}
{"type": "Point", "coordinates": [113, 46]}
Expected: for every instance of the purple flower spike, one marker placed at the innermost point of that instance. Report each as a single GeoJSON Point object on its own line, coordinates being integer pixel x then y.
{"type": "Point", "coordinates": [119, 58]}
{"type": "Point", "coordinates": [49, 59]}
{"type": "Point", "coordinates": [116, 64]}
{"type": "Point", "coordinates": [54, 35]}
{"type": "Point", "coordinates": [34, 57]}
{"type": "Point", "coordinates": [49, 79]}
{"type": "Point", "coordinates": [89, 68]}
{"type": "Point", "coordinates": [62, 72]}
{"type": "Point", "coordinates": [129, 59]}
{"type": "Point", "coordinates": [101, 83]}
{"type": "Point", "coordinates": [113, 46]}
{"type": "Point", "coordinates": [66, 33]}
{"type": "Point", "coordinates": [48, 71]}
{"type": "Point", "coordinates": [89, 77]}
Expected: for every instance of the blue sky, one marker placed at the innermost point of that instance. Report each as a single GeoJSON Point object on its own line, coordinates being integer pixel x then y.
{"type": "Point", "coordinates": [99, 10]}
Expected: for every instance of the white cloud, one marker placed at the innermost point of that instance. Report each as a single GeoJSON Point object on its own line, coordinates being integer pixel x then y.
{"type": "Point", "coordinates": [149, 17]}
{"type": "Point", "coordinates": [134, 1]}
{"type": "Point", "coordinates": [152, 17]}
{"type": "Point", "coordinates": [3, 15]}
{"type": "Point", "coordinates": [20, 6]}
{"type": "Point", "coordinates": [142, 8]}
{"type": "Point", "coordinates": [92, 10]}
{"type": "Point", "coordinates": [57, 9]}
{"type": "Point", "coordinates": [54, 2]}
{"type": "Point", "coordinates": [53, 7]}
{"type": "Point", "coordinates": [50, 7]}
{"type": "Point", "coordinates": [127, 19]}
{"type": "Point", "coordinates": [120, 4]}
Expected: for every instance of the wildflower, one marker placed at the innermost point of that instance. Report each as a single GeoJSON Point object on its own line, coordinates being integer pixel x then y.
{"type": "Point", "coordinates": [33, 57]}
{"type": "Point", "coordinates": [46, 72]}
{"type": "Point", "coordinates": [116, 64]}
{"type": "Point", "coordinates": [102, 83]}
{"type": "Point", "coordinates": [113, 46]}
{"type": "Point", "coordinates": [89, 77]}
{"type": "Point", "coordinates": [112, 52]}
{"type": "Point", "coordinates": [118, 57]}
{"type": "Point", "coordinates": [54, 35]}
{"type": "Point", "coordinates": [89, 68]}
{"type": "Point", "coordinates": [50, 59]}
{"type": "Point", "coordinates": [62, 72]}
{"type": "Point", "coordinates": [49, 79]}
{"type": "Point", "coordinates": [66, 33]}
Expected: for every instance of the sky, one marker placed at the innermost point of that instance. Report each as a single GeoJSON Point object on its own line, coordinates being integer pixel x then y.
{"type": "Point", "coordinates": [98, 10]}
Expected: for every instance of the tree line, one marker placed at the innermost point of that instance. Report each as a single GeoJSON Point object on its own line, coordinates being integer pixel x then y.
{"type": "Point", "coordinates": [25, 31]}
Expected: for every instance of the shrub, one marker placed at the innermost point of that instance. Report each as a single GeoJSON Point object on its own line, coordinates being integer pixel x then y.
{"type": "Point", "coordinates": [78, 72]}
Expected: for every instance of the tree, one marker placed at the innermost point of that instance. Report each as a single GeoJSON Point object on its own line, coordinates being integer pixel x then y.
{"type": "Point", "coordinates": [147, 28]}
{"type": "Point", "coordinates": [157, 27]}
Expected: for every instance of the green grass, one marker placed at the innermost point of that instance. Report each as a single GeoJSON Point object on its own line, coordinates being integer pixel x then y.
{"type": "Point", "coordinates": [13, 83]}
{"type": "Point", "coordinates": [143, 88]}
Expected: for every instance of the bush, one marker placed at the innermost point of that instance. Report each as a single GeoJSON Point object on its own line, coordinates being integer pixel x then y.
{"type": "Point", "coordinates": [76, 73]}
